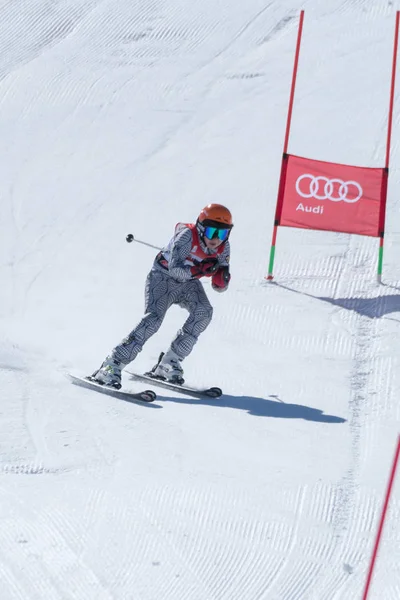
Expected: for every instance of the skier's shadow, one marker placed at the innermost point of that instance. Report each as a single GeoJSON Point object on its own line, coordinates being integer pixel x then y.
{"type": "Point", "coordinates": [261, 407]}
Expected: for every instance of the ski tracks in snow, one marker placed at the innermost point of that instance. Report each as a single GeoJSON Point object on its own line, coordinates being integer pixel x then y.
{"type": "Point", "coordinates": [40, 26]}
{"type": "Point", "coordinates": [351, 511]}
{"type": "Point", "coordinates": [46, 526]}
{"type": "Point", "coordinates": [39, 554]}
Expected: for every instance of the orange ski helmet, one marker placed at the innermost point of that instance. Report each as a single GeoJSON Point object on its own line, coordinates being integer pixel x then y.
{"type": "Point", "coordinates": [218, 214]}
{"type": "Point", "coordinates": [214, 221]}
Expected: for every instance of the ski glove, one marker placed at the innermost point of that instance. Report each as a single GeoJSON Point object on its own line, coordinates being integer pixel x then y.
{"type": "Point", "coordinates": [220, 279]}
{"type": "Point", "coordinates": [206, 267]}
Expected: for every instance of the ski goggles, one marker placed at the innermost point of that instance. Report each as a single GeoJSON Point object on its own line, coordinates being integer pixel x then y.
{"type": "Point", "coordinates": [216, 232]}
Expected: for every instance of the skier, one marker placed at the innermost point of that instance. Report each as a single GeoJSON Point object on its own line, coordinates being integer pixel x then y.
{"type": "Point", "coordinates": [196, 250]}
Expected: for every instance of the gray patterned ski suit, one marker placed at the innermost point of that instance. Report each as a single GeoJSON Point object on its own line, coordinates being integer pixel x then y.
{"type": "Point", "coordinates": [170, 285]}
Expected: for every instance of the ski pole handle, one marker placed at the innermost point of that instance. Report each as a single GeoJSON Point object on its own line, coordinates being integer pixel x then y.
{"type": "Point", "coordinates": [130, 238]}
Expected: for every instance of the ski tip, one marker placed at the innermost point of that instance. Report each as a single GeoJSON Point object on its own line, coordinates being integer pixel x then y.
{"type": "Point", "coordinates": [89, 382]}
{"type": "Point", "coordinates": [214, 392]}
{"type": "Point", "coordinates": [148, 395]}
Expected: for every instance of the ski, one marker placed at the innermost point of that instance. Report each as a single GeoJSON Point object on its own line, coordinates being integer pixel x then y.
{"type": "Point", "coordinates": [213, 392]}
{"type": "Point", "coordinates": [138, 397]}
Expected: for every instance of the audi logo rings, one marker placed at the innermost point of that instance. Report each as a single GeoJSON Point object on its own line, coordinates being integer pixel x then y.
{"type": "Point", "coordinates": [322, 188]}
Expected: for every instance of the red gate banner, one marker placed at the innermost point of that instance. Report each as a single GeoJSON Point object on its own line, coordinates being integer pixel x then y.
{"type": "Point", "coordinates": [321, 195]}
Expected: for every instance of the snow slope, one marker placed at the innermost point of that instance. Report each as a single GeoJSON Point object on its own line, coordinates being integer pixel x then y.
{"type": "Point", "coordinates": [128, 116]}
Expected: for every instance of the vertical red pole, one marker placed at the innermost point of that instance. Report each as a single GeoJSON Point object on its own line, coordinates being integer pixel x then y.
{"type": "Point", "coordinates": [390, 120]}
{"type": "Point", "coordinates": [285, 146]}
{"type": "Point", "coordinates": [382, 520]}
{"type": "Point", "coordinates": [294, 77]}
{"type": "Point", "coordinates": [389, 136]}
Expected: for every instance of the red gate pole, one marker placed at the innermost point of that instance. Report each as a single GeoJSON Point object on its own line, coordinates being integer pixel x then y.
{"type": "Point", "coordinates": [285, 146]}
{"type": "Point", "coordinates": [389, 136]}
{"type": "Point", "coordinates": [382, 520]}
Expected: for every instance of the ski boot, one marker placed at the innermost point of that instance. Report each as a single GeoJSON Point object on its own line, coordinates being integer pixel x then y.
{"type": "Point", "coordinates": [169, 368]}
{"type": "Point", "coordinates": [109, 373]}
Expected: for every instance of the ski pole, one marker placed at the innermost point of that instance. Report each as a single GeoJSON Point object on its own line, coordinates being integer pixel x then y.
{"type": "Point", "coordinates": [130, 238]}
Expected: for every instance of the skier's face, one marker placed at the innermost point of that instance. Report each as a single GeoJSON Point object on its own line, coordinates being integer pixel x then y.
{"type": "Point", "coordinates": [212, 244]}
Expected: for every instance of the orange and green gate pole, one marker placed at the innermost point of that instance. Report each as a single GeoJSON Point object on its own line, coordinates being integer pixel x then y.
{"type": "Point", "coordinates": [285, 155]}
